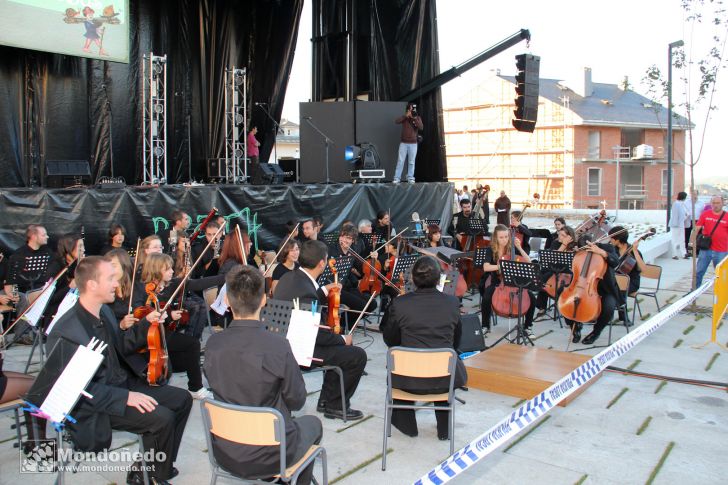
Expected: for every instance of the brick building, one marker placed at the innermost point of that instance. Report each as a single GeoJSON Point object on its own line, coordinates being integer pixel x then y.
{"type": "Point", "coordinates": [586, 134]}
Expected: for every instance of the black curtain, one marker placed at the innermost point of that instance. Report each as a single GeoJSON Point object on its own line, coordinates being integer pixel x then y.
{"type": "Point", "coordinates": [397, 52]}
{"type": "Point", "coordinates": [57, 107]}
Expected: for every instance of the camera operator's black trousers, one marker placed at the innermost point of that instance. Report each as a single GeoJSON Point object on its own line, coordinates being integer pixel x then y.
{"type": "Point", "coordinates": [161, 428]}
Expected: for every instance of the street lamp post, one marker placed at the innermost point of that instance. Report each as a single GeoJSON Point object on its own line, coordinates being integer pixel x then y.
{"type": "Point", "coordinates": [677, 43]}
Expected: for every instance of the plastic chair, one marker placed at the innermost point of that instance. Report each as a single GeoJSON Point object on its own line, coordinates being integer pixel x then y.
{"type": "Point", "coordinates": [651, 272]}
{"type": "Point", "coordinates": [419, 363]}
{"type": "Point", "coordinates": [254, 426]}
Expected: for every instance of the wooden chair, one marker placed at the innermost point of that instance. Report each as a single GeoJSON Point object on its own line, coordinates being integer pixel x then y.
{"type": "Point", "coordinates": [651, 272]}
{"type": "Point", "coordinates": [253, 426]}
{"type": "Point", "coordinates": [209, 295]}
{"type": "Point", "coordinates": [419, 363]}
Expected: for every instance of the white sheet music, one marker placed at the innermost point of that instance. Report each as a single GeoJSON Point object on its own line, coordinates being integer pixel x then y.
{"type": "Point", "coordinates": [441, 285]}
{"type": "Point", "coordinates": [219, 306]}
{"type": "Point", "coordinates": [66, 304]}
{"type": "Point", "coordinates": [36, 312]}
{"type": "Point", "coordinates": [73, 380]}
{"type": "Point", "coordinates": [302, 331]}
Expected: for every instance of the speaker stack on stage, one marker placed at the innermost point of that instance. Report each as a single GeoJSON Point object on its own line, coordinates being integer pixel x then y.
{"type": "Point", "coordinates": [67, 173]}
{"type": "Point", "coordinates": [268, 174]}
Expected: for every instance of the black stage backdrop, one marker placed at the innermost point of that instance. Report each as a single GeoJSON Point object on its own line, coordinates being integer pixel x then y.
{"type": "Point", "coordinates": [264, 210]}
{"type": "Point", "coordinates": [56, 107]}
{"type": "Point", "coordinates": [397, 52]}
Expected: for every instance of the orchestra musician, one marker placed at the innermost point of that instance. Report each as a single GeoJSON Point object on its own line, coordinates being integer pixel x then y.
{"type": "Point", "coordinates": [424, 319]}
{"type": "Point", "coordinates": [461, 222]}
{"type": "Point", "coordinates": [69, 249]}
{"type": "Point", "coordinates": [180, 221]}
{"type": "Point", "coordinates": [434, 236]}
{"type": "Point", "coordinates": [383, 227]}
{"type": "Point", "coordinates": [231, 254]}
{"type": "Point", "coordinates": [287, 261]}
{"type": "Point", "coordinates": [209, 263]}
{"type": "Point", "coordinates": [481, 199]}
{"type": "Point", "coordinates": [552, 242]}
{"type": "Point", "coordinates": [122, 399]}
{"type": "Point", "coordinates": [565, 241]}
{"type": "Point", "coordinates": [619, 241]}
{"type": "Point", "coordinates": [500, 247]}
{"type": "Point", "coordinates": [117, 236]}
{"type": "Point", "coordinates": [308, 231]}
{"type": "Point", "coordinates": [250, 366]}
{"type": "Point", "coordinates": [607, 290]}
{"type": "Point", "coordinates": [350, 294]}
{"type": "Point", "coordinates": [522, 229]}
{"type": "Point", "coordinates": [502, 206]}
{"type": "Point", "coordinates": [332, 349]}
{"type": "Point", "coordinates": [149, 245]}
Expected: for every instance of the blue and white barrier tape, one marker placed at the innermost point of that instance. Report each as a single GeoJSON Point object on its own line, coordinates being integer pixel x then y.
{"type": "Point", "coordinates": [537, 407]}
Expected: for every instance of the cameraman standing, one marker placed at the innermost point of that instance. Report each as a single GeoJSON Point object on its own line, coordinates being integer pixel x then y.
{"type": "Point", "coordinates": [411, 124]}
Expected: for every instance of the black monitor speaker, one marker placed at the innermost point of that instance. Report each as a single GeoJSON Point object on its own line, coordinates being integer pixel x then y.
{"type": "Point", "coordinates": [268, 174]}
{"type": "Point", "coordinates": [65, 173]}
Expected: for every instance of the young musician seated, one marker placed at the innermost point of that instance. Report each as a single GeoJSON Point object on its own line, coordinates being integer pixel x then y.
{"type": "Point", "coordinates": [332, 349]}
{"type": "Point", "coordinates": [70, 249]}
{"type": "Point", "coordinates": [522, 230]}
{"type": "Point", "coordinates": [500, 247]}
{"type": "Point", "coordinates": [117, 236]}
{"type": "Point", "coordinates": [208, 265]}
{"type": "Point", "coordinates": [565, 241]}
{"type": "Point", "coordinates": [461, 222]}
{"type": "Point", "coordinates": [425, 319]}
{"type": "Point", "coordinates": [618, 237]}
{"type": "Point", "coordinates": [434, 236]}
{"type": "Point", "coordinates": [350, 294]}
{"type": "Point", "coordinates": [122, 399]}
{"type": "Point", "coordinates": [607, 290]}
{"type": "Point", "coordinates": [250, 366]}
{"type": "Point", "coordinates": [383, 228]}
{"type": "Point", "coordinates": [287, 261]}
{"type": "Point", "coordinates": [552, 242]}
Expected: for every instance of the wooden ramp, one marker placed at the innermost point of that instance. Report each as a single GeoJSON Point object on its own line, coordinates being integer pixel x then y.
{"type": "Point", "coordinates": [521, 371]}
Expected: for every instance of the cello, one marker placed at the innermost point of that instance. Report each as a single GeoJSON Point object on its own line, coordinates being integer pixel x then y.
{"type": "Point", "coordinates": [580, 301]}
{"type": "Point", "coordinates": [332, 319]}
{"type": "Point", "coordinates": [505, 301]}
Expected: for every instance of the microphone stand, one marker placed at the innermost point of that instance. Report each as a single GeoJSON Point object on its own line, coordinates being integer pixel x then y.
{"type": "Point", "coordinates": [328, 142]}
{"type": "Point", "coordinates": [276, 126]}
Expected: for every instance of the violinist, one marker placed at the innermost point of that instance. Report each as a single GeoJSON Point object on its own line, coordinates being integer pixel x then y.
{"type": "Point", "coordinates": [606, 288]}
{"type": "Point", "coordinates": [70, 248]}
{"type": "Point", "coordinates": [552, 241]}
{"type": "Point", "coordinates": [231, 254]}
{"type": "Point", "coordinates": [350, 294]}
{"type": "Point", "coordinates": [184, 350]}
{"type": "Point", "coordinates": [502, 206]}
{"type": "Point", "coordinates": [117, 236]}
{"type": "Point", "coordinates": [308, 231]}
{"type": "Point", "coordinates": [209, 264]}
{"type": "Point", "coordinates": [122, 399]}
{"type": "Point", "coordinates": [565, 241]}
{"type": "Point", "coordinates": [434, 236]}
{"type": "Point", "coordinates": [149, 245]}
{"type": "Point", "coordinates": [383, 227]}
{"type": "Point", "coordinates": [333, 349]}
{"type": "Point", "coordinates": [499, 248]}
{"type": "Point", "coordinates": [361, 245]}
{"type": "Point", "coordinates": [624, 251]}
{"type": "Point", "coordinates": [194, 305]}
{"type": "Point", "coordinates": [287, 261]}
{"type": "Point", "coordinates": [522, 231]}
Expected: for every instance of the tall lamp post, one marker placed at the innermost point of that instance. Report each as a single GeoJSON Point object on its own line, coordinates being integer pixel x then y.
{"type": "Point", "coordinates": [677, 43]}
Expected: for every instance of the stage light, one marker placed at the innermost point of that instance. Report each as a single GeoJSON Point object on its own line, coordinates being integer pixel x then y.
{"type": "Point", "coordinates": [238, 153]}
{"type": "Point", "coordinates": [239, 77]}
{"type": "Point", "coordinates": [239, 119]}
{"type": "Point", "coordinates": [159, 108]}
{"type": "Point", "coordinates": [158, 152]}
{"type": "Point", "coordinates": [364, 155]}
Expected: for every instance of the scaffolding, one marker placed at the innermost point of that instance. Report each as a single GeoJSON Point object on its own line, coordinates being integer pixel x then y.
{"type": "Point", "coordinates": [154, 119]}
{"type": "Point", "coordinates": [236, 125]}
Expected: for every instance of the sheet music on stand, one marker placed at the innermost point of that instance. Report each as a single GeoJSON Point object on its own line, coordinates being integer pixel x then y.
{"type": "Point", "coordinates": [479, 257]}
{"type": "Point", "coordinates": [64, 377]}
{"type": "Point", "coordinates": [303, 328]}
{"type": "Point", "coordinates": [431, 222]}
{"type": "Point", "coordinates": [367, 238]}
{"type": "Point", "coordinates": [404, 264]}
{"type": "Point", "coordinates": [33, 266]}
{"type": "Point", "coordinates": [342, 265]}
{"type": "Point", "coordinates": [520, 274]}
{"type": "Point", "coordinates": [556, 261]}
{"type": "Point", "coordinates": [476, 226]}
{"type": "Point", "coordinates": [330, 238]}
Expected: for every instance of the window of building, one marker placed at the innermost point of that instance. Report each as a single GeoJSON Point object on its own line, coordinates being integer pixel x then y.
{"type": "Point", "coordinates": [663, 191]}
{"type": "Point", "coordinates": [594, 182]}
{"type": "Point", "coordinates": [631, 137]}
{"type": "Point", "coordinates": [594, 144]}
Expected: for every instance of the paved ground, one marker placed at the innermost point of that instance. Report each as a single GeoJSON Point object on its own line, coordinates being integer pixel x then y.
{"type": "Point", "coordinates": [589, 441]}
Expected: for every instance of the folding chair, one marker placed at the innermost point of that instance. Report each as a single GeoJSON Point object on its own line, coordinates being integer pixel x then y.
{"type": "Point", "coordinates": [419, 363]}
{"type": "Point", "coordinates": [15, 406]}
{"type": "Point", "coordinates": [253, 426]}
{"type": "Point", "coordinates": [651, 272]}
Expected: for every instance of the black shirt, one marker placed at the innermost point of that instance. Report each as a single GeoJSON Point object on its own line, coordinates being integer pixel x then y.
{"type": "Point", "coordinates": [95, 326]}
{"type": "Point", "coordinates": [20, 274]}
{"type": "Point", "coordinates": [281, 269]}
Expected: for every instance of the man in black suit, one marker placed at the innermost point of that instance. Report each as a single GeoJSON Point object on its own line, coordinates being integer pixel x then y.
{"type": "Point", "coordinates": [425, 319]}
{"type": "Point", "coordinates": [250, 366]}
{"type": "Point", "coordinates": [333, 349]}
{"type": "Point", "coordinates": [122, 399]}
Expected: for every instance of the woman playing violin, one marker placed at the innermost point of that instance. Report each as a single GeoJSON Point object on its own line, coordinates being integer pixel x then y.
{"type": "Point", "coordinates": [500, 247]}
{"type": "Point", "coordinates": [287, 261]}
{"type": "Point", "coordinates": [231, 254]}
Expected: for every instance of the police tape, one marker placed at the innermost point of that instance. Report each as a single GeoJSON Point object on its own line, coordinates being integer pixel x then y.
{"type": "Point", "coordinates": [537, 407]}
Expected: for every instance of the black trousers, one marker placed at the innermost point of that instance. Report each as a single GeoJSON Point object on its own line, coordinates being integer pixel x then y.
{"type": "Point", "coordinates": [609, 304]}
{"type": "Point", "coordinates": [184, 356]}
{"type": "Point", "coordinates": [310, 433]}
{"type": "Point", "coordinates": [162, 428]}
{"type": "Point", "coordinates": [406, 421]}
{"type": "Point", "coordinates": [688, 230]}
{"type": "Point", "coordinates": [352, 361]}
{"type": "Point", "coordinates": [486, 307]}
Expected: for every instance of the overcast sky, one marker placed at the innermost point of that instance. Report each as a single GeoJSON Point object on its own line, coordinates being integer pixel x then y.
{"type": "Point", "coordinates": [616, 39]}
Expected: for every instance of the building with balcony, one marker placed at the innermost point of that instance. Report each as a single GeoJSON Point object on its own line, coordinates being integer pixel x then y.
{"type": "Point", "coordinates": [593, 142]}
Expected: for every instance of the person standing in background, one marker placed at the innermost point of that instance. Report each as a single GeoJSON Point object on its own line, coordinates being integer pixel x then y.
{"type": "Point", "coordinates": [253, 150]}
{"type": "Point", "coordinates": [411, 124]}
{"type": "Point", "coordinates": [678, 216]}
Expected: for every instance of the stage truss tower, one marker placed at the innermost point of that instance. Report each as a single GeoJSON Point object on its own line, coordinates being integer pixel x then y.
{"type": "Point", "coordinates": [154, 118]}
{"type": "Point", "coordinates": [236, 125]}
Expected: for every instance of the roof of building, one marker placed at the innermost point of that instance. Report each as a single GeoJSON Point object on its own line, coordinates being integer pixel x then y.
{"type": "Point", "coordinates": [608, 105]}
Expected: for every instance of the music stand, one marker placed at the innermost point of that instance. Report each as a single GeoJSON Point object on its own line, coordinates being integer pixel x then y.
{"type": "Point", "coordinates": [451, 281]}
{"type": "Point", "coordinates": [558, 262]}
{"type": "Point", "coordinates": [476, 226]}
{"type": "Point", "coordinates": [366, 237]}
{"type": "Point", "coordinates": [524, 276]}
{"type": "Point", "coordinates": [403, 265]}
{"type": "Point", "coordinates": [479, 257]}
{"type": "Point", "coordinates": [330, 238]}
{"type": "Point", "coordinates": [433, 222]}
{"type": "Point", "coordinates": [34, 265]}
{"type": "Point", "coordinates": [342, 265]}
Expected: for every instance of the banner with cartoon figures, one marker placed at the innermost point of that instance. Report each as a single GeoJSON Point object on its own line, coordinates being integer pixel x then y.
{"type": "Point", "coordinates": [98, 29]}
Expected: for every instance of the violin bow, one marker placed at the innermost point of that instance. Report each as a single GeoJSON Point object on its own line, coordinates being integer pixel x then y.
{"type": "Point", "coordinates": [390, 239]}
{"type": "Point", "coordinates": [133, 274]}
{"type": "Point", "coordinates": [239, 235]}
{"type": "Point", "coordinates": [189, 273]}
{"type": "Point", "coordinates": [361, 314]}
{"type": "Point", "coordinates": [290, 235]}
{"type": "Point", "coordinates": [364, 261]}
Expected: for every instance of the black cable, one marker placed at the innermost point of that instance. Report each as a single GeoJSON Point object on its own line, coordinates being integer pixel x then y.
{"type": "Point", "coordinates": [681, 380]}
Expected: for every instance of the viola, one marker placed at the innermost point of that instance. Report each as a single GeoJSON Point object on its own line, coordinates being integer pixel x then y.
{"type": "Point", "coordinates": [628, 262]}
{"type": "Point", "coordinates": [580, 301]}
{"type": "Point", "coordinates": [333, 320]}
{"type": "Point", "coordinates": [370, 283]}
{"type": "Point", "coordinates": [505, 298]}
{"type": "Point", "coordinates": [158, 367]}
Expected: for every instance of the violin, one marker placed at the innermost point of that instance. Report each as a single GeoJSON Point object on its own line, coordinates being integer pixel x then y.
{"type": "Point", "coordinates": [505, 298]}
{"type": "Point", "coordinates": [158, 367]}
{"type": "Point", "coordinates": [629, 262]}
{"type": "Point", "coordinates": [333, 320]}
{"type": "Point", "coordinates": [580, 301]}
{"type": "Point", "coordinates": [370, 283]}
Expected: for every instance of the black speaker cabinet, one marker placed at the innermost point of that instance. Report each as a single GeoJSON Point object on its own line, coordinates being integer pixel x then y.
{"type": "Point", "coordinates": [268, 174]}
{"type": "Point", "coordinates": [65, 173]}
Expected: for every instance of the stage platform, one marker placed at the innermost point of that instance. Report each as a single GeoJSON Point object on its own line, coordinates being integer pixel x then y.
{"type": "Point", "coordinates": [522, 371]}
{"type": "Point", "coordinates": [263, 209]}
